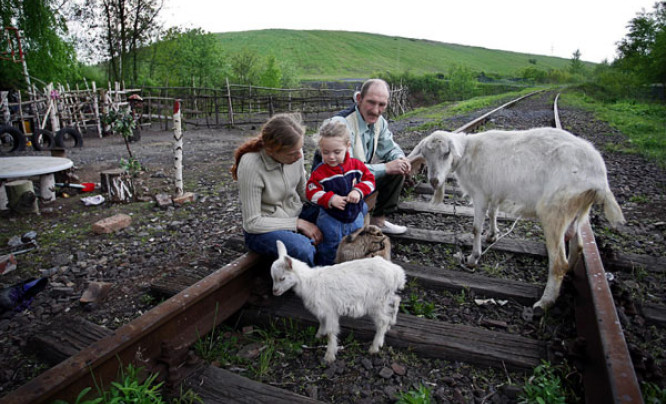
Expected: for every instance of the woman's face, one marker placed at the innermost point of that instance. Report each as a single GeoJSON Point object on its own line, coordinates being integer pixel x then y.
{"type": "Point", "coordinates": [288, 155]}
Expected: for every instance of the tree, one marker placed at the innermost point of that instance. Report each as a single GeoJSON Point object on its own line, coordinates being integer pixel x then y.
{"type": "Point", "coordinates": [576, 66]}
{"type": "Point", "coordinates": [271, 76]}
{"type": "Point", "coordinates": [49, 56]}
{"type": "Point", "coordinates": [245, 66]}
{"type": "Point", "coordinates": [643, 50]}
{"type": "Point", "coordinates": [115, 31]}
{"type": "Point", "coordinates": [188, 58]}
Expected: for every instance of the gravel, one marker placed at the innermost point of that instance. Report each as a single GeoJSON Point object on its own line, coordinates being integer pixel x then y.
{"type": "Point", "coordinates": [198, 238]}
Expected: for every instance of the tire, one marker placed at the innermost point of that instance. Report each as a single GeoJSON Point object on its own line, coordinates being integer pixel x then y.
{"type": "Point", "coordinates": [11, 140]}
{"type": "Point", "coordinates": [68, 137]}
{"type": "Point", "coordinates": [42, 139]}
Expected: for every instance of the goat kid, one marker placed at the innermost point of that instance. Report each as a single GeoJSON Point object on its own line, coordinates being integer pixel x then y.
{"type": "Point", "coordinates": [366, 242]}
{"type": "Point", "coordinates": [353, 289]}
{"type": "Point", "coordinates": [542, 173]}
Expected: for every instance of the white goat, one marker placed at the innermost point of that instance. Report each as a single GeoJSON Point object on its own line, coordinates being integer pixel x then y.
{"type": "Point", "coordinates": [354, 289]}
{"type": "Point", "coordinates": [545, 173]}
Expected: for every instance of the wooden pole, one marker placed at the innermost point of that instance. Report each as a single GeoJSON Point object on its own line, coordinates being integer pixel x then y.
{"type": "Point", "coordinates": [231, 108]}
{"type": "Point", "coordinates": [95, 101]}
{"type": "Point", "coordinates": [178, 147]}
{"type": "Point", "coordinates": [55, 122]}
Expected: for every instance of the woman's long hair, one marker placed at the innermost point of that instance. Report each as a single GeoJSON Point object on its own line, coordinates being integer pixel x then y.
{"type": "Point", "coordinates": [282, 130]}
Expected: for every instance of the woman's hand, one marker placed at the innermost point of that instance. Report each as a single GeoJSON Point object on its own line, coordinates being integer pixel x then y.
{"type": "Point", "coordinates": [309, 230]}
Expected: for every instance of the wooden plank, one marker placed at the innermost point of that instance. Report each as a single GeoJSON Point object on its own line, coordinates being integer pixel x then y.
{"type": "Point", "coordinates": [655, 313]}
{"type": "Point", "coordinates": [432, 338]}
{"type": "Point", "coordinates": [216, 385]}
{"type": "Point", "coordinates": [445, 279]}
{"type": "Point", "coordinates": [447, 209]}
{"type": "Point", "coordinates": [509, 245]}
{"type": "Point", "coordinates": [54, 343]}
{"type": "Point", "coordinates": [629, 262]}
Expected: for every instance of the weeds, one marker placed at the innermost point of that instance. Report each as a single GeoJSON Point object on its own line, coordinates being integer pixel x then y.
{"type": "Point", "coordinates": [544, 387]}
{"type": "Point", "coordinates": [653, 394]}
{"type": "Point", "coordinates": [419, 396]}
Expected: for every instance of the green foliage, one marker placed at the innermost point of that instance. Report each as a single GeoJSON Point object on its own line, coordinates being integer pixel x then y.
{"type": "Point", "coordinates": [271, 75]}
{"type": "Point", "coordinates": [422, 395]}
{"type": "Point", "coordinates": [245, 66]}
{"type": "Point", "coordinates": [130, 389]}
{"type": "Point", "coordinates": [186, 58]}
{"type": "Point", "coordinates": [652, 393]}
{"type": "Point", "coordinates": [643, 51]}
{"type": "Point", "coordinates": [121, 122]}
{"type": "Point", "coordinates": [416, 306]}
{"type": "Point", "coordinates": [48, 55]}
{"type": "Point", "coordinates": [642, 122]}
{"type": "Point", "coordinates": [544, 387]}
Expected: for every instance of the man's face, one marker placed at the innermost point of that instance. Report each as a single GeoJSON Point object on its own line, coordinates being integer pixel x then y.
{"type": "Point", "coordinates": [373, 104]}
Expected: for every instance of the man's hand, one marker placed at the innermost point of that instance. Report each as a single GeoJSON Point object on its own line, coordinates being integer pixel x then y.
{"type": "Point", "coordinates": [400, 166]}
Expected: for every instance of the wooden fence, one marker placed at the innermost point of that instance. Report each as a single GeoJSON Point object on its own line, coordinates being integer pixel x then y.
{"type": "Point", "coordinates": [84, 109]}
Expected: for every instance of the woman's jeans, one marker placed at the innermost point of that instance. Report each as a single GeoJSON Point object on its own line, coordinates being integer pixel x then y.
{"type": "Point", "coordinates": [333, 231]}
{"type": "Point", "coordinates": [298, 246]}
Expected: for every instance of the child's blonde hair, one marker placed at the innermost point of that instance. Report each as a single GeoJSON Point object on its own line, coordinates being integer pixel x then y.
{"type": "Point", "coordinates": [332, 129]}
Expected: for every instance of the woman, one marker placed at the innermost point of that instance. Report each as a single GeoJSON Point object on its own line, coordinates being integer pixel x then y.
{"type": "Point", "coordinates": [271, 180]}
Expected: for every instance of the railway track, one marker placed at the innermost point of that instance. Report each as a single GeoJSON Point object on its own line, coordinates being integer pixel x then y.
{"type": "Point", "coordinates": [161, 339]}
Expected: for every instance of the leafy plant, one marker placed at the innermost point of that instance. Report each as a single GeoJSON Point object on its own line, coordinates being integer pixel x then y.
{"type": "Point", "coordinates": [543, 387]}
{"type": "Point", "coordinates": [417, 307]}
{"type": "Point", "coordinates": [653, 394]}
{"type": "Point", "coordinates": [419, 396]}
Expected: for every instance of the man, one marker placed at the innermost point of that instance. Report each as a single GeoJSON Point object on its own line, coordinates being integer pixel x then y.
{"type": "Point", "coordinates": [372, 143]}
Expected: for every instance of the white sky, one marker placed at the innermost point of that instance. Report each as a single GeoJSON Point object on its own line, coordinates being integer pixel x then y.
{"type": "Point", "coordinates": [542, 27]}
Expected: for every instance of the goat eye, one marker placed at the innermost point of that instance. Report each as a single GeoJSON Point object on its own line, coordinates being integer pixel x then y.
{"type": "Point", "coordinates": [282, 279]}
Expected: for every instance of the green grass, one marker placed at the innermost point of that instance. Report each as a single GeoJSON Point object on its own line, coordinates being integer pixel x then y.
{"type": "Point", "coordinates": [643, 123]}
{"type": "Point", "coordinates": [338, 55]}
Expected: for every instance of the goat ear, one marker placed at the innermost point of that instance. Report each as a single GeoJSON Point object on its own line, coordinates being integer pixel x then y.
{"type": "Point", "coordinates": [455, 148]}
{"type": "Point", "coordinates": [290, 264]}
{"type": "Point", "coordinates": [282, 250]}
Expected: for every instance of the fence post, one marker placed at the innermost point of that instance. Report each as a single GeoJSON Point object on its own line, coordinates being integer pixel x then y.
{"type": "Point", "coordinates": [95, 101]}
{"type": "Point", "coordinates": [51, 95]}
{"type": "Point", "coordinates": [178, 147]}
{"type": "Point", "coordinates": [231, 108]}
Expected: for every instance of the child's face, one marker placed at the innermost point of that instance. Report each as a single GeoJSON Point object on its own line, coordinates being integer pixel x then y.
{"type": "Point", "coordinates": [333, 150]}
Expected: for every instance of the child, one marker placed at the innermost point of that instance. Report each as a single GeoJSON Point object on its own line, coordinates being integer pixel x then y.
{"type": "Point", "coordinates": [338, 185]}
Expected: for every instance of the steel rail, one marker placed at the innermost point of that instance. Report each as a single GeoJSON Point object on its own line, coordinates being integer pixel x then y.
{"type": "Point", "coordinates": [483, 118]}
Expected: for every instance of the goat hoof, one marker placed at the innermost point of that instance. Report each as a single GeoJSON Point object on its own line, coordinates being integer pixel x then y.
{"type": "Point", "coordinates": [491, 239]}
{"type": "Point", "coordinates": [471, 261]}
{"type": "Point", "coordinates": [329, 359]}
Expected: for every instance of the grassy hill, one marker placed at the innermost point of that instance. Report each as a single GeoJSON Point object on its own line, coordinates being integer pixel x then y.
{"type": "Point", "coordinates": [334, 55]}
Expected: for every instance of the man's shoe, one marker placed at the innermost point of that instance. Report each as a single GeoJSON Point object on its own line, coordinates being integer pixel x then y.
{"type": "Point", "coordinates": [390, 228]}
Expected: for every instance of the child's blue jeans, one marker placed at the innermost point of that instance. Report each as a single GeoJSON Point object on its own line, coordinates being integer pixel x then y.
{"type": "Point", "coordinates": [333, 231]}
